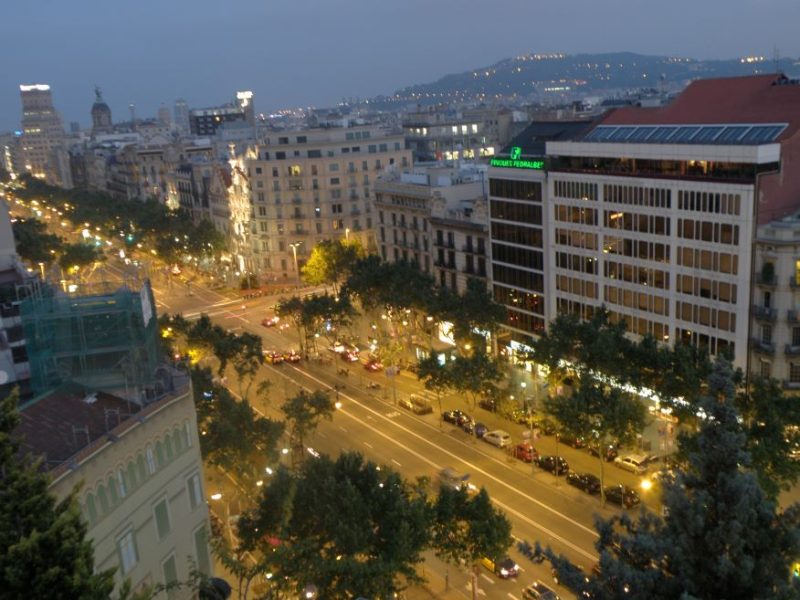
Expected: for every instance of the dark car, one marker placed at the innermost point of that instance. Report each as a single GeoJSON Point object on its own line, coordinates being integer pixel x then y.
{"type": "Point", "coordinates": [373, 365]}
{"type": "Point", "coordinates": [453, 416]}
{"type": "Point", "coordinates": [505, 568]}
{"type": "Point", "coordinates": [573, 578]}
{"type": "Point", "coordinates": [473, 427]}
{"type": "Point", "coordinates": [270, 321]}
{"type": "Point", "coordinates": [539, 591]}
{"type": "Point", "coordinates": [547, 427]}
{"type": "Point", "coordinates": [525, 452]}
{"type": "Point", "coordinates": [488, 404]}
{"type": "Point", "coordinates": [584, 481]}
{"type": "Point", "coordinates": [557, 465]}
{"type": "Point", "coordinates": [575, 441]}
{"type": "Point", "coordinates": [610, 452]}
{"type": "Point", "coordinates": [622, 495]}
{"type": "Point", "coordinates": [417, 405]}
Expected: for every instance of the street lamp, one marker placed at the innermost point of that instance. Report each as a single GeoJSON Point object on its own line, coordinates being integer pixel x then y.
{"type": "Point", "coordinates": [294, 253]}
{"type": "Point", "coordinates": [347, 234]}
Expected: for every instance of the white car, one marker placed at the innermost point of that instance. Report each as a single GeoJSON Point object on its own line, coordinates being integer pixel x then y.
{"type": "Point", "coordinates": [633, 463]}
{"type": "Point", "coordinates": [498, 438]}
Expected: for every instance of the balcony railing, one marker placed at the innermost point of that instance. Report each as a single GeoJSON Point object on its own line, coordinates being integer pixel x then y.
{"type": "Point", "coordinates": [770, 281]}
{"type": "Point", "coordinates": [762, 346]}
{"type": "Point", "coordinates": [792, 350]}
{"type": "Point", "coordinates": [791, 385]}
{"type": "Point", "coordinates": [763, 313]}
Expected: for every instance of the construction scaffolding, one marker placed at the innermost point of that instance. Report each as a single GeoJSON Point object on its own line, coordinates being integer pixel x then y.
{"type": "Point", "coordinates": [105, 339]}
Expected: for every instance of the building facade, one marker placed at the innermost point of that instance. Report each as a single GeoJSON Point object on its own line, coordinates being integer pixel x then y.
{"type": "Point", "coordinates": [314, 184]}
{"type": "Point", "coordinates": [435, 215]}
{"type": "Point", "coordinates": [139, 474]}
{"type": "Point", "coordinates": [43, 141]}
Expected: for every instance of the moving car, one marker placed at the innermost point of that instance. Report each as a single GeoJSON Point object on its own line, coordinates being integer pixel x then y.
{"type": "Point", "coordinates": [349, 356]}
{"type": "Point", "coordinates": [449, 477]}
{"type": "Point", "coordinates": [633, 463]}
{"type": "Point", "coordinates": [292, 356]}
{"type": "Point", "coordinates": [488, 404]}
{"type": "Point", "coordinates": [539, 591]}
{"type": "Point", "coordinates": [575, 441]}
{"type": "Point", "coordinates": [622, 495]}
{"type": "Point", "coordinates": [373, 365]}
{"type": "Point", "coordinates": [417, 405]}
{"type": "Point", "coordinates": [270, 321]}
{"type": "Point", "coordinates": [557, 465]}
{"type": "Point", "coordinates": [498, 438]}
{"type": "Point", "coordinates": [585, 482]}
{"type": "Point", "coordinates": [273, 357]}
{"type": "Point", "coordinates": [525, 452]}
{"type": "Point", "coordinates": [504, 568]}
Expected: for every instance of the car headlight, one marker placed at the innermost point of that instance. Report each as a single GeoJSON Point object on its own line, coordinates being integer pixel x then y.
{"type": "Point", "coordinates": [504, 572]}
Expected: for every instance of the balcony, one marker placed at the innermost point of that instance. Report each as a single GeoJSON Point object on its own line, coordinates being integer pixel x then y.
{"type": "Point", "coordinates": [473, 249]}
{"type": "Point", "coordinates": [791, 385]}
{"type": "Point", "coordinates": [792, 316]}
{"type": "Point", "coordinates": [770, 281]}
{"type": "Point", "coordinates": [297, 200]}
{"type": "Point", "coordinates": [762, 346]}
{"type": "Point", "coordinates": [444, 244]}
{"type": "Point", "coordinates": [763, 313]}
{"type": "Point", "coordinates": [791, 350]}
{"type": "Point", "coordinates": [297, 215]}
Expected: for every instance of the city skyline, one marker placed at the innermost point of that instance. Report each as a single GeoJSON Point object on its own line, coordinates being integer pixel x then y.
{"type": "Point", "coordinates": [314, 55]}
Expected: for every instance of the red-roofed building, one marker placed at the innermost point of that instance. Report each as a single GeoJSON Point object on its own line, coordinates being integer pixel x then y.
{"type": "Point", "coordinates": [653, 212]}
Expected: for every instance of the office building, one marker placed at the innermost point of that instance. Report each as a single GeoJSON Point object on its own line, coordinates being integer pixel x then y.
{"type": "Point", "coordinates": [43, 142]}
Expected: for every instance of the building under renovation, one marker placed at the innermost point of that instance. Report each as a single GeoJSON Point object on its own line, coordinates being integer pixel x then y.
{"type": "Point", "coordinates": [106, 339]}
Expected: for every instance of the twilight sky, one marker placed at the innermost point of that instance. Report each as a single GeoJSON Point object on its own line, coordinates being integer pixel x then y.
{"type": "Point", "coordinates": [314, 52]}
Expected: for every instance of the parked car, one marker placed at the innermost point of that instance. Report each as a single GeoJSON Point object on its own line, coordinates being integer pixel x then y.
{"type": "Point", "coordinates": [575, 580]}
{"type": "Point", "coordinates": [349, 356]}
{"type": "Point", "coordinates": [416, 404]}
{"type": "Point", "coordinates": [568, 439]}
{"type": "Point", "coordinates": [270, 321]}
{"type": "Point", "coordinates": [557, 465]}
{"type": "Point", "coordinates": [609, 454]}
{"type": "Point", "coordinates": [539, 591]}
{"type": "Point", "coordinates": [488, 404]}
{"type": "Point", "coordinates": [547, 427]}
{"type": "Point", "coordinates": [521, 416]}
{"type": "Point", "coordinates": [504, 568]}
{"type": "Point", "coordinates": [622, 495]}
{"type": "Point", "coordinates": [454, 416]}
{"type": "Point", "coordinates": [273, 357]}
{"type": "Point", "coordinates": [498, 438]}
{"type": "Point", "coordinates": [525, 452]}
{"type": "Point", "coordinates": [474, 427]}
{"type": "Point", "coordinates": [585, 482]}
{"type": "Point", "coordinates": [633, 463]}
{"type": "Point", "coordinates": [449, 477]}
{"type": "Point", "coordinates": [292, 356]}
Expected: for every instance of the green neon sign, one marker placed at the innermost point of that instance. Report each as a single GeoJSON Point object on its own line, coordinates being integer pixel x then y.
{"type": "Point", "coordinates": [512, 163]}
{"type": "Point", "coordinates": [516, 153]}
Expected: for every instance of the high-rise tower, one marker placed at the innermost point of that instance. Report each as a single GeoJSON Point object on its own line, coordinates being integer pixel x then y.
{"type": "Point", "coordinates": [43, 136]}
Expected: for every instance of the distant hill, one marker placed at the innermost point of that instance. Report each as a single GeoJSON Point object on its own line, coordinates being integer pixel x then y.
{"type": "Point", "coordinates": [539, 77]}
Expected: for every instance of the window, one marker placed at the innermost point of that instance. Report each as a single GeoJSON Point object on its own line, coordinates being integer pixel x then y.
{"type": "Point", "coordinates": [334, 181]}
{"type": "Point", "coordinates": [194, 490]}
{"type": "Point", "coordinates": [201, 550]}
{"type": "Point", "coordinates": [123, 489]}
{"type": "Point", "coordinates": [795, 336]}
{"type": "Point", "coordinates": [188, 432]}
{"type": "Point", "coordinates": [170, 571]}
{"type": "Point", "coordinates": [766, 334]}
{"type": "Point", "coordinates": [161, 513]}
{"type": "Point", "coordinates": [128, 557]}
{"type": "Point", "coordinates": [794, 372]}
{"type": "Point", "coordinates": [766, 369]}
{"type": "Point", "coordinates": [333, 167]}
{"type": "Point", "coordinates": [151, 460]}
{"type": "Point", "coordinates": [283, 140]}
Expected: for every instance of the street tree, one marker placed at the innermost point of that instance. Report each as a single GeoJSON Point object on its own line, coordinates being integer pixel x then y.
{"type": "Point", "coordinates": [721, 536]}
{"type": "Point", "coordinates": [435, 376]}
{"type": "Point", "coordinates": [44, 552]}
{"type": "Point", "coordinates": [771, 422]}
{"type": "Point", "coordinates": [470, 312]}
{"type": "Point", "coordinates": [294, 309]}
{"type": "Point", "coordinates": [232, 435]}
{"type": "Point", "coordinates": [33, 243]}
{"type": "Point", "coordinates": [75, 256]}
{"type": "Point", "coordinates": [327, 315]}
{"type": "Point", "coordinates": [349, 527]}
{"type": "Point", "coordinates": [247, 361]}
{"type": "Point", "coordinates": [600, 413]}
{"type": "Point", "coordinates": [475, 374]}
{"type": "Point", "coordinates": [206, 241]}
{"type": "Point", "coordinates": [467, 528]}
{"type": "Point", "coordinates": [303, 413]}
{"type": "Point", "coordinates": [331, 261]}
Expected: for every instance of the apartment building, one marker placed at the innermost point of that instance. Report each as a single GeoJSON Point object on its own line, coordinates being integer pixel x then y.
{"type": "Point", "coordinates": [140, 476]}
{"type": "Point", "coordinates": [435, 215]}
{"type": "Point", "coordinates": [313, 184]}
{"type": "Point", "coordinates": [653, 213]}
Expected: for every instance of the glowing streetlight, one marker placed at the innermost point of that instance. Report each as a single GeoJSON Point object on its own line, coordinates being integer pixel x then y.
{"type": "Point", "coordinates": [294, 253]}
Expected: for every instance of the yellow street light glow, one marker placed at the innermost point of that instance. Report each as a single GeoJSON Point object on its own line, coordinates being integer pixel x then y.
{"type": "Point", "coordinates": [646, 484]}
{"type": "Point", "coordinates": [216, 496]}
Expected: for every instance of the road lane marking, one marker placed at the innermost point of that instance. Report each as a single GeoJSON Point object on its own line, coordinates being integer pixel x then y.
{"type": "Point", "coordinates": [472, 466]}
{"type": "Point", "coordinates": [485, 577]}
{"type": "Point", "coordinates": [512, 596]}
{"type": "Point", "coordinates": [397, 463]}
{"type": "Point", "coordinates": [342, 428]}
{"type": "Point", "coordinates": [368, 445]}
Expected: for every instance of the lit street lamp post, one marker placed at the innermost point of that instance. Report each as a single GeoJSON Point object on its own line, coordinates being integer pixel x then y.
{"type": "Point", "coordinates": [294, 253]}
